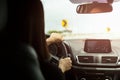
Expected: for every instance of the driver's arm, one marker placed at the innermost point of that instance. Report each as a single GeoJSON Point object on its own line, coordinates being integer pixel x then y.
{"type": "Point", "coordinates": [65, 64]}
{"type": "Point", "coordinates": [54, 38]}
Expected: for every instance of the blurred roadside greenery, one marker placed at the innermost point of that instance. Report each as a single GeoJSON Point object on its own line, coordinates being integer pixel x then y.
{"type": "Point", "coordinates": [55, 31]}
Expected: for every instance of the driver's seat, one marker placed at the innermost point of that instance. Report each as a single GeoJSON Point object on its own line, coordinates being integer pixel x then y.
{"type": "Point", "coordinates": [18, 61]}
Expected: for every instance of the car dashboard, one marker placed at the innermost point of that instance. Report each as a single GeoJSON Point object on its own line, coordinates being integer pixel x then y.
{"type": "Point", "coordinates": [95, 57]}
{"type": "Point", "coordinates": [103, 52]}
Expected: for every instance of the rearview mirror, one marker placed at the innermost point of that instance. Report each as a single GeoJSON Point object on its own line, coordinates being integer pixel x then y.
{"type": "Point", "coordinates": [94, 8]}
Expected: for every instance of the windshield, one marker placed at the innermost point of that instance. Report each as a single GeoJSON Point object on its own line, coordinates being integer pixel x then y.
{"type": "Point", "coordinates": [61, 16]}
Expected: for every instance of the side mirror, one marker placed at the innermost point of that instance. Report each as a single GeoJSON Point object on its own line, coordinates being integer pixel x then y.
{"type": "Point", "coordinates": [94, 7]}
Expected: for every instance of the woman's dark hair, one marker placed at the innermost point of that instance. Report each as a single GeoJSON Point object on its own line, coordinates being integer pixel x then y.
{"type": "Point", "coordinates": [27, 25]}
{"type": "Point", "coordinates": [39, 38]}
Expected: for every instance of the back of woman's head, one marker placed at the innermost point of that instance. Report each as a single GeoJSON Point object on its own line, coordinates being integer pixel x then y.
{"type": "Point", "coordinates": [26, 25]}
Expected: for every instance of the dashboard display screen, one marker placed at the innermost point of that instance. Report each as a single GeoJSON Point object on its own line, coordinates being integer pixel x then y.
{"type": "Point", "coordinates": [97, 46]}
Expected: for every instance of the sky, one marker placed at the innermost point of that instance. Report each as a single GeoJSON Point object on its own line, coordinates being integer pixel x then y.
{"type": "Point", "coordinates": [57, 10]}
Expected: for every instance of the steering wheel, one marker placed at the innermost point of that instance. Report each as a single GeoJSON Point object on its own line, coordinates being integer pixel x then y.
{"type": "Point", "coordinates": [58, 50]}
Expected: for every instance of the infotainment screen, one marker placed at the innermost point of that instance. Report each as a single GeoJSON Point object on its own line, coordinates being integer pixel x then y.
{"type": "Point", "coordinates": [97, 46]}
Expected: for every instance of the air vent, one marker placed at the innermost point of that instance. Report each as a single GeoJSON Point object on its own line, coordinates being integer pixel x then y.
{"type": "Point", "coordinates": [86, 59]}
{"type": "Point", "coordinates": [109, 59]}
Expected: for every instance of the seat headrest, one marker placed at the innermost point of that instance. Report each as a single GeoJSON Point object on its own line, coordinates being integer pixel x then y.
{"type": "Point", "coordinates": [3, 13]}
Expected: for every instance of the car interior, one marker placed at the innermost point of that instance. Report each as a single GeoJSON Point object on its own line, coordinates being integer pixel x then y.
{"type": "Point", "coordinates": [94, 49]}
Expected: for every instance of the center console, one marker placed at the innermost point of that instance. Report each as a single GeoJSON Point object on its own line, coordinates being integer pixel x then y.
{"type": "Point", "coordinates": [96, 59]}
